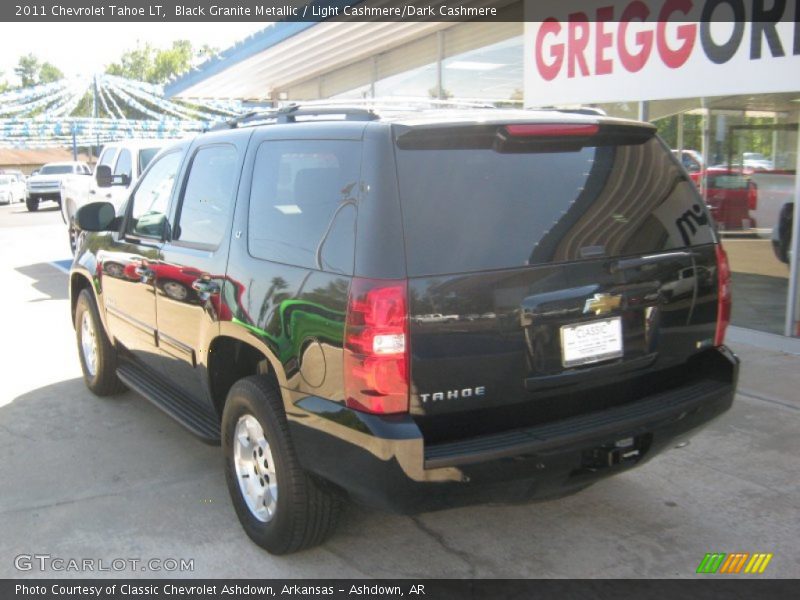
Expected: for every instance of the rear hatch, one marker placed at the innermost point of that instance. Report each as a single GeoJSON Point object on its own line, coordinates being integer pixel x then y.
{"type": "Point", "coordinates": [554, 269]}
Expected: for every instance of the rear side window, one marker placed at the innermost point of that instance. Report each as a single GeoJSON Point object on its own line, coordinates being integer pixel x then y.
{"type": "Point", "coordinates": [468, 209]}
{"type": "Point", "coordinates": [208, 196]}
{"type": "Point", "coordinates": [145, 156]}
{"type": "Point", "coordinates": [302, 203]}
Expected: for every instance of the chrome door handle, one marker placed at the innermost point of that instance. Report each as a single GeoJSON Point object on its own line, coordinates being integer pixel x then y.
{"type": "Point", "coordinates": [145, 273]}
{"type": "Point", "coordinates": [205, 287]}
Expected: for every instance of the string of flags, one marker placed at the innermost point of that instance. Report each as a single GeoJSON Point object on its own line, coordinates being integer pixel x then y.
{"type": "Point", "coordinates": [41, 116]}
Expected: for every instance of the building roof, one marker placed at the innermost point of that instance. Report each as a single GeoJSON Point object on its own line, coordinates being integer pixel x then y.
{"type": "Point", "coordinates": [286, 54]}
{"type": "Point", "coordinates": [10, 156]}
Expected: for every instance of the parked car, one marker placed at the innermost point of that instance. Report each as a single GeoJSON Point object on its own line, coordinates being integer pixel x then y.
{"type": "Point", "coordinates": [12, 188]}
{"type": "Point", "coordinates": [782, 233]}
{"type": "Point", "coordinates": [46, 183]}
{"type": "Point", "coordinates": [126, 160]}
{"type": "Point", "coordinates": [731, 196]}
{"type": "Point", "coordinates": [757, 161]}
{"type": "Point", "coordinates": [320, 241]}
{"type": "Point", "coordinates": [691, 160]}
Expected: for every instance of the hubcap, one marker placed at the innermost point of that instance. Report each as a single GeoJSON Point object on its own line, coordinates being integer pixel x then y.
{"type": "Point", "coordinates": [89, 344]}
{"type": "Point", "coordinates": [175, 290]}
{"type": "Point", "coordinates": [255, 468]}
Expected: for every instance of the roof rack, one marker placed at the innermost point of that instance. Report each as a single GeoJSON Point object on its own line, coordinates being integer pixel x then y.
{"type": "Point", "coordinates": [289, 114]}
{"type": "Point", "coordinates": [368, 109]}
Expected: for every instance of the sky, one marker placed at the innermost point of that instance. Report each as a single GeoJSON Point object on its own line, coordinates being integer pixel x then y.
{"type": "Point", "coordinates": [86, 48]}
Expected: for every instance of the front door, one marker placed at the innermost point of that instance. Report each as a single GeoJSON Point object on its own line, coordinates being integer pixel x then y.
{"type": "Point", "coordinates": [126, 264]}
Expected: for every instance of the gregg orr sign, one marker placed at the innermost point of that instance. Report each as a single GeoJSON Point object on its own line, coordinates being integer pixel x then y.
{"type": "Point", "coordinates": [612, 51]}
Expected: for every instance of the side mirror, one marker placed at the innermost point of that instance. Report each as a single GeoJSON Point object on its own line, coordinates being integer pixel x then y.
{"type": "Point", "coordinates": [103, 176]}
{"type": "Point", "coordinates": [106, 179]}
{"type": "Point", "coordinates": [96, 216]}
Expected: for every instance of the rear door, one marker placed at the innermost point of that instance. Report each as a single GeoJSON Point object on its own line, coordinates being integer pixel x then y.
{"type": "Point", "coordinates": [189, 277]}
{"type": "Point", "coordinates": [547, 264]}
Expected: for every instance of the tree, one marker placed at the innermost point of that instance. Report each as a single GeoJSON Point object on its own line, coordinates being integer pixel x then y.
{"type": "Point", "coordinates": [31, 72]}
{"type": "Point", "coordinates": [146, 63]}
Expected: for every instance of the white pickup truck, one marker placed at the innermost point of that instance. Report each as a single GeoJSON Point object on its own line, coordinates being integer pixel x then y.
{"type": "Point", "coordinates": [126, 160]}
{"type": "Point", "coordinates": [45, 184]}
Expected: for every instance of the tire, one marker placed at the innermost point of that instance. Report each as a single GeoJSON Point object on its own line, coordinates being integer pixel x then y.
{"type": "Point", "coordinates": [32, 204]}
{"type": "Point", "coordinates": [73, 233]}
{"type": "Point", "coordinates": [176, 290]}
{"type": "Point", "coordinates": [305, 513]}
{"type": "Point", "coordinates": [98, 357]}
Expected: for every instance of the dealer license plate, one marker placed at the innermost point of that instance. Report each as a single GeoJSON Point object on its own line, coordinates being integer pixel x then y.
{"type": "Point", "coordinates": [591, 342]}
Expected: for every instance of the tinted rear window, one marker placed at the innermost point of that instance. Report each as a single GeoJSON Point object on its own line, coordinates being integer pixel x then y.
{"type": "Point", "coordinates": [302, 203]}
{"type": "Point", "coordinates": [469, 209]}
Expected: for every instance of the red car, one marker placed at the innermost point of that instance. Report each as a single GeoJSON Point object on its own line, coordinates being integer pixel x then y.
{"type": "Point", "coordinates": [730, 195]}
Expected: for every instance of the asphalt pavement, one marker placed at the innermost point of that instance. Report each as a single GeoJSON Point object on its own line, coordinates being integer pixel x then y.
{"type": "Point", "coordinates": [115, 479]}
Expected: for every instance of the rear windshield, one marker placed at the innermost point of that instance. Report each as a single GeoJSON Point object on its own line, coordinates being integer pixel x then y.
{"type": "Point", "coordinates": [56, 169]}
{"type": "Point", "coordinates": [727, 182]}
{"type": "Point", "coordinates": [469, 209]}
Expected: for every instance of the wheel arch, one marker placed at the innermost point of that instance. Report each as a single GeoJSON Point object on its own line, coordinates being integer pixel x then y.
{"type": "Point", "coordinates": [231, 358]}
{"type": "Point", "coordinates": [77, 283]}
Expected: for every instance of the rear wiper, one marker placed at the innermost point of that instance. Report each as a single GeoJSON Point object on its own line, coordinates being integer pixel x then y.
{"type": "Point", "coordinates": [632, 263]}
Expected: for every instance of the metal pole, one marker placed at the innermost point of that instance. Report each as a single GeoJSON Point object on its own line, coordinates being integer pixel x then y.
{"type": "Point", "coordinates": [439, 59]}
{"type": "Point", "coordinates": [74, 144]}
{"type": "Point", "coordinates": [644, 110]}
{"type": "Point", "coordinates": [792, 317]}
{"type": "Point", "coordinates": [680, 136]}
{"type": "Point", "coordinates": [706, 149]}
{"type": "Point", "coordinates": [96, 113]}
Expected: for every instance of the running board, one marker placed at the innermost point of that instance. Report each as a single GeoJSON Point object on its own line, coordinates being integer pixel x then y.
{"type": "Point", "coordinates": [173, 402]}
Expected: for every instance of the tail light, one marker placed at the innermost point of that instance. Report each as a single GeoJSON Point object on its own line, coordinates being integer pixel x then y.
{"type": "Point", "coordinates": [723, 295]}
{"type": "Point", "coordinates": [752, 195]}
{"type": "Point", "coordinates": [552, 129]}
{"type": "Point", "coordinates": [376, 347]}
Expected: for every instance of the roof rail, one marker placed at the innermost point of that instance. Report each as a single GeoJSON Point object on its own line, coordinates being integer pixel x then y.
{"type": "Point", "coordinates": [289, 114]}
{"type": "Point", "coordinates": [367, 109]}
{"type": "Point", "coordinates": [400, 103]}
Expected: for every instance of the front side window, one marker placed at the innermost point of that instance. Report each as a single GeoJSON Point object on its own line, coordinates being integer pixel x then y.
{"type": "Point", "coordinates": [208, 196]}
{"type": "Point", "coordinates": [151, 198]}
{"type": "Point", "coordinates": [124, 166]}
{"type": "Point", "coordinates": [107, 157]}
{"type": "Point", "coordinates": [302, 203]}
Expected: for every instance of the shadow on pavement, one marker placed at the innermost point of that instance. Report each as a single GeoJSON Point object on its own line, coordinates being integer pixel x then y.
{"type": "Point", "coordinates": [759, 302]}
{"type": "Point", "coordinates": [46, 279]}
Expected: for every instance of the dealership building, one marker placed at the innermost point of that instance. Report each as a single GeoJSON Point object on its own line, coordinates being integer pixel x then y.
{"type": "Point", "coordinates": [720, 79]}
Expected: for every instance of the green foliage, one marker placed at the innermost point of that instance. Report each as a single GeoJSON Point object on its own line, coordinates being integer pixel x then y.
{"type": "Point", "coordinates": [31, 72]}
{"type": "Point", "coordinates": [692, 131]}
{"type": "Point", "coordinates": [154, 65]}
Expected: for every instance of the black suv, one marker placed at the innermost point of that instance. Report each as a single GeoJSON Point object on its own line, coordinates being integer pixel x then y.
{"type": "Point", "coordinates": [415, 311]}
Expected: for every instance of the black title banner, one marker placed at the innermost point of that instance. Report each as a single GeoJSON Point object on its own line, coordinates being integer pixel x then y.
{"type": "Point", "coordinates": [196, 11]}
{"type": "Point", "coordinates": [380, 589]}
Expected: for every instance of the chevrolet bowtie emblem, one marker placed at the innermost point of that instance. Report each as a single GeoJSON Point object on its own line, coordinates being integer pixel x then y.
{"type": "Point", "coordinates": [602, 304]}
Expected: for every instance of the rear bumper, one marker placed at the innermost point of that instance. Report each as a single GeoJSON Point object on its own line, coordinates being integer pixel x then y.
{"type": "Point", "coordinates": [384, 462]}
